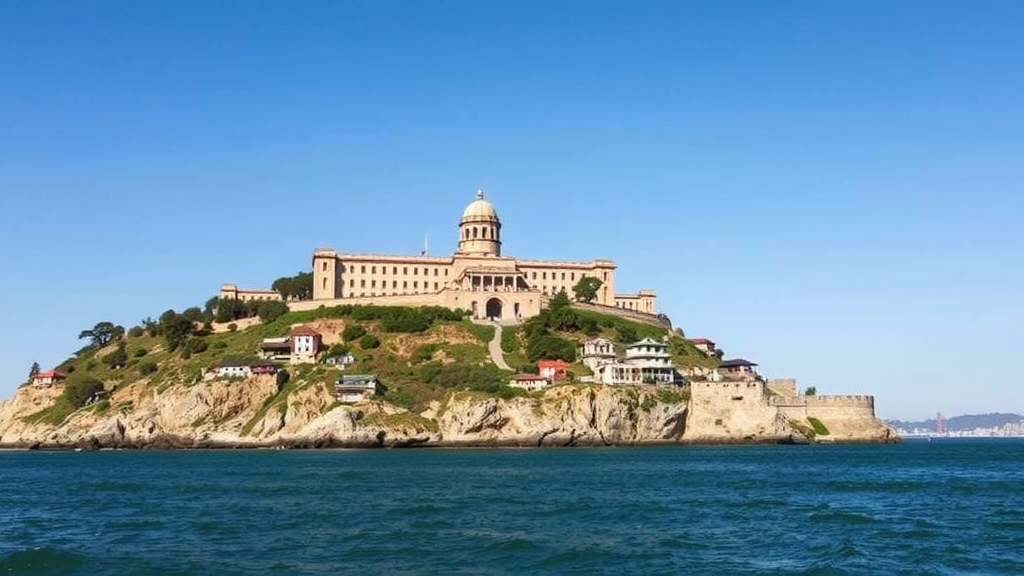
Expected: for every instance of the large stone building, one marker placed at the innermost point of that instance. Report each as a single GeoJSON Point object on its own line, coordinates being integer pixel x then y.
{"type": "Point", "coordinates": [477, 277]}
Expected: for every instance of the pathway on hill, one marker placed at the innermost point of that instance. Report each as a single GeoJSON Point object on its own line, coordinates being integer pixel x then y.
{"type": "Point", "coordinates": [497, 356]}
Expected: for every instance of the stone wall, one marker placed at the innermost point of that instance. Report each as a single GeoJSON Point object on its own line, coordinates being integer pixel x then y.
{"type": "Point", "coordinates": [783, 386]}
{"type": "Point", "coordinates": [515, 306]}
{"type": "Point", "coordinates": [633, 315]}
{"type": "Point", "coordinates": [722, 411]}
{"type": "Point", "coordinates": [825, 408]}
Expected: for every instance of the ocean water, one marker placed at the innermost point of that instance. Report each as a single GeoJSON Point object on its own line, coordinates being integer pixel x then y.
{"type": "Point", "coordinates": [942, 507]}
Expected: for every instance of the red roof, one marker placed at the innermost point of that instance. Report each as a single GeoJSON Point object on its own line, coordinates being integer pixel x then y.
{"type": "Point", "coordinates": [529, 377]}
{"type": "Point", "coordinates": [553, 364]}
{"type": "Point", "coordinates": [51, 374]}
{"type": "Point", "coordinates": [701, 341]}
{"type": "Point", "coordinates": [304, 331]}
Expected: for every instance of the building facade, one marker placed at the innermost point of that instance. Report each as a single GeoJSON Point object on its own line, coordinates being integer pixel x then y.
{"type": "Point", "coordinates": [477, 277]}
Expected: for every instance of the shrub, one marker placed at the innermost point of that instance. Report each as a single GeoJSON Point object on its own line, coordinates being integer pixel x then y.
{"type": "Point", "coordinates": [282, 378]}
{"type": "Point", "coordinates": [270, 310]}
{"type": "Point", "coordinates": [625, 333]}
{"type": "Point", "coordinates": [195, 346]}
{"type": "Point", "coordinates": [353, 332]}
{"type": "Point", "coordinates": [425, 353]}
{"type": "Point", "coordinates": [136, 331]}
{"type": "Point", "coordinates": [509, 341]}
{"type": "Point", "coordinates": [77, 391]}
{"type": "Point", "coordinates": [550, 347]}
{"type": "Point", "coordinates": [463, 376]}
{"type": "Point", "coordinates": [219, 345]}
{"type": "Point", "coordinates": [232, 327]}
{"type": "Point", "coordinates": [118, 358]}
{"type": "Point", "coordinates": [140, 353]}
{"type": "Point", "coordinates": [369, 342]}
{"type": "Point", "coordinates": [146, 368]}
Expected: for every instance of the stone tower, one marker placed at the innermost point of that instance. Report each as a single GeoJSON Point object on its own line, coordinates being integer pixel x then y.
{"type": "Point", "coordinates": [480, 228]}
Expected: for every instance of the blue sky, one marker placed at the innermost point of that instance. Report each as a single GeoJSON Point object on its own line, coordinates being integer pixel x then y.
{"type": "Point", "coordinates": [831, 189]}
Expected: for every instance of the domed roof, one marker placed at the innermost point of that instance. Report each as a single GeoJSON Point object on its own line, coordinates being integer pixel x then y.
{"type": "Point", "coordinates": [480, 209]}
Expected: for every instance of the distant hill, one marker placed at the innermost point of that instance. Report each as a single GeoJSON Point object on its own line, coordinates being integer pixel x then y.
{"type": "Point", "coordinates": [962, 422]}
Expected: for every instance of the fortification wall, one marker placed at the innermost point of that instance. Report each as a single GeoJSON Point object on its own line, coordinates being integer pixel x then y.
{"type": "Point", "coordinates": [783, 386]}
{"type": "Point", "coordinates": [634, 315]}
{"type": "Point", "coordinates": [733, 411]}
{"type": "Point", "coordinates": [826, 408]}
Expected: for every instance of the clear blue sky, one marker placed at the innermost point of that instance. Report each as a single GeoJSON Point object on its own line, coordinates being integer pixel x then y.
{"type": "Point", "coordinates": [832, 189]}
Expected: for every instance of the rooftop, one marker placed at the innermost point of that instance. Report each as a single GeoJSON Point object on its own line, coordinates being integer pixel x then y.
{"type": "Point", "coordinates": [736, 363]}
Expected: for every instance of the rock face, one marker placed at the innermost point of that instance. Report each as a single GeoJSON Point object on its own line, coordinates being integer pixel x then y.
{"type": "Point", "coordinates": [253, 413]}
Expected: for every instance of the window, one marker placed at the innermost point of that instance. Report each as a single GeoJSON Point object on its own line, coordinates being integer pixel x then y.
{"type": "Point", "coordinates": [405, 285]}
{"type": "Point", "coordinates": [415, 285]}
{"type": "Point", "coordinates": [543, 275]}
{"type": "Point", "coordinates": [572, 276]}
{"type": "Point", "coordinates": [415, 271]}
{"type": "Point", "coordinates": [474, 232]}
{"type": "Point", "coordinates": [325, 283]}
{"type": "Point", "coordinates": [405, 270]}
{"type": "Point", "coordinates": [325, 265]}
{"type": "Point", "coordinates": [362, 283]}
{"type": "Point", "coordinates": [373, 269]}
{"type": "Point", "coordinates": [563, 275]}
{"type": "Point", "coordinates": [435, 285]}
{"type": "Point", "coordinates": [394, 270]}
{"type": "Point", "coordinates": [535, 275]}
{"type": "Point", "coordinates": [373, 283]}
{"type": "Point", "coordinates": [362, 269]}
{"type": "Point", "coordinates": [445, 271]}
{"type": "Point", "coordinates": [435, 271]}
{"type": "Point", "coordinates": [394, 283]}
{"type": "Point", "coordinates": [352, 283]}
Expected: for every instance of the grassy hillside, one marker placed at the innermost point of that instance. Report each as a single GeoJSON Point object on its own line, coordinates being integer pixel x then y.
{"type": "Point", "coordinates": [418, 354]}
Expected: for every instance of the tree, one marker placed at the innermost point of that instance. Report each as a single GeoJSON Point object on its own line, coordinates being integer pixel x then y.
{"type": "Point", "coordinates": [810, 391]}
{"type": "Point", "coordinates": [270, 310]}
{"type": "Point", "coordinates": [298, 287]}
{"type": "Point", "coordinates": [176, 329]}
{"type": "Point", "coordinates": [102, 334]}
{"type": "Point", "coordinates": [150, 326]}
{"type": "Point", "coordinates": [586, 289]}
{"type": "Point", "coordinates": [194, 314]}
{"type": "Point", "coordinates": [369, 342]}
{"type": "Point", "coordinates": [78, 390]}
{"type": "Point", "coordinates": [33, 371]}
{"type": "Point", "coordinates": [625, 333]}
{"type": "Point", "coordinates": [352, 332]}
{"type": "Point", "coordinates": [560, 300]}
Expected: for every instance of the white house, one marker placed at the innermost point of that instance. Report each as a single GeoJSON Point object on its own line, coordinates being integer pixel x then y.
{"type": "Point", "coordinates": [618, 374]}
{"type": "Point", "coordinates": [48, 378]}
{"type": "Point", "coordinates": [597, 352]}
{"type": "Point", "coordinates": [306, 344]}
{"type": "Point", "coordinates": [234, 368]}
{"type": "Point", "coordinates": [653, 359]}
{"type": "Point", "coordinates": [531, 382]}
{"type": "Point", "coordinates": [355, 387]}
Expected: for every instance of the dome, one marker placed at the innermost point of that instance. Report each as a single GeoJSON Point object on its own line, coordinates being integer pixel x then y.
{"type": "Point", "coordinates": [480, 209]}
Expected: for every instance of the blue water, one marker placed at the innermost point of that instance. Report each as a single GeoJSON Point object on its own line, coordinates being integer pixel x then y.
{"type": "Point", "coordinates": [944, 507]}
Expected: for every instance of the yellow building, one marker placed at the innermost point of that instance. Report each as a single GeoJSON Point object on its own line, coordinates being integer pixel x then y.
{"type": "Point", "coordinates": [476, 278]}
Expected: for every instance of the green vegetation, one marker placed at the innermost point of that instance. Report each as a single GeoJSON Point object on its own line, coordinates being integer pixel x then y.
{"type": "Point", "coordinates": [819, 428]}
{"type": "Point", "coordinates": [810, 391]}
{"type": "Point", "coordinates": [298, 287]}
{"type": "Point", "coordinates": [77, 391]}
{"type": "Point", "coordinates": [353, 332]}
{"type": "Point", "coordinates": [586, 289]}
{"type": "Point", "coordinates": [420, 355]}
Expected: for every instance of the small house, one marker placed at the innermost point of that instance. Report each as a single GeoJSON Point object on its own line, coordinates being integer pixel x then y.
{"type": "Point", "coordinates": [305, 344]}
{"type": "Point", "coordinates": [233, 369]}
{"type": "Point", "coordinates": [263, 368]}
{"type": "Point", "coordinates": [596, 352]}
{"type": "Point", "coordinates": [48, 378]}
{"type": "Point", "coordinates": [738, 369]}
{"type": "Point", "coordinates": [275, 348]}
{"type": "Point", "coordinates": [531, 382]}
{"type": "Point", "coordinates": [552, 369]}
{"type": "Point", "coordinates": [355, 387]}
{"type": "Point", "coordinates": [340, 360]}
{"type": "Point", "coordinates": [619, 374]}
{"type": "Point", "coordinates": [704, 345]}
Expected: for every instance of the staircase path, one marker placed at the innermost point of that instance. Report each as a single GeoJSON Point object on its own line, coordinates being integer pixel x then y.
{"type": "Point", "coordinates": [497, 356]}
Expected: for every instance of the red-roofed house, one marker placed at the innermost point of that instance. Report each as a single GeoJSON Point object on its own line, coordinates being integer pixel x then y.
{"type": "Point", "coordinates": [47, 378]}
{"type": "Point", "coordinates": [704, 345]}
{"type": "Point", "coordinates": [552, 369]}
{"type": "Point", "coordinates": [306, 344]}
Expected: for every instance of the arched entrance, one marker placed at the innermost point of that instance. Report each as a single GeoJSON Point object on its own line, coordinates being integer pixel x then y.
{"type": "Point", "coordinates": [494, 309]}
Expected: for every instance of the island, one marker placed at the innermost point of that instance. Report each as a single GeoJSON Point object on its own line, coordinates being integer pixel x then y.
{"type": "Point", "coordinates": [472, 349]}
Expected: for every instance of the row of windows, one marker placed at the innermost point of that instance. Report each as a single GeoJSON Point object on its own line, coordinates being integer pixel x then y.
{"type": "Point", "coordinates": [554, 276]}
{"type": "Point", "coordinates": [394, 284]}
{"type": "Point", "coordinates": [479, 233]}
{"type": "Point", "coordinates": [405, 270]}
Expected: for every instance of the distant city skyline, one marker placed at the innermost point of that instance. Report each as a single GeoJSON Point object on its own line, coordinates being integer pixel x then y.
{"type": "Point", "coordinates": [832, 191]}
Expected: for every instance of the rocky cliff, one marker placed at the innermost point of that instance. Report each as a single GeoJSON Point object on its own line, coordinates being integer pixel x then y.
{"type": "Point", "coordinates": [253, 413]}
